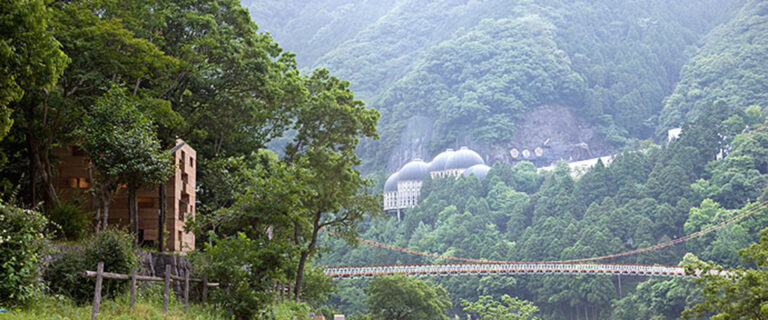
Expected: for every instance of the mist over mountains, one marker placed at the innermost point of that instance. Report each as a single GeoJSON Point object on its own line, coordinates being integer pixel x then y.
{"type": "Point", "coordinates": [452, 73]}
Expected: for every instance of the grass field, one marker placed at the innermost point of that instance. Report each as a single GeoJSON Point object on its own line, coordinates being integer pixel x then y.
{"type": "Point", "coordinates": [148, 306]}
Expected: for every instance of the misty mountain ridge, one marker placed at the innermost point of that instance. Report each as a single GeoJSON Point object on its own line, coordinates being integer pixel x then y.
{"type": "Point", "coordinates": [451, 73]}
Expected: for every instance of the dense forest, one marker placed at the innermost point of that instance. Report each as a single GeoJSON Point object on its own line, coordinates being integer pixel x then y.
{"type": "Point", "coordinates": [473, 68]}
{"type": "Point", "coordinates": [118, 82]}
{"type": "Point", "coordinates": [293, 145]}
{"type": "Point", "coordinates": [729, 67]}
{"type": "Point", "coordinates": [648, 195]}
{"type": "Point", "coordinates": [633, 70]}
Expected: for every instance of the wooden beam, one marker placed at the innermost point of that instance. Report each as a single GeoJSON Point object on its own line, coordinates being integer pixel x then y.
{"type": "Point", "coordinates": [120, 276]}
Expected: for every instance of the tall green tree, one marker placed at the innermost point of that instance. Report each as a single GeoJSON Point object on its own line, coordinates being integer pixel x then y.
{"type": "Point", "coordinates": [398, 297]}
{"type": "Point", "coordinates": [509, 308]}
{"type": "Point", "coordinates": [743, 294]}
{"type": "Point", "coordinates": [122, 146]}
{"type": "Point", "coordinates": [30, 56]}
{"type": "Point", "coordinates": [102, 53]}
{"type": "Point", "coordinates": [328, 128]}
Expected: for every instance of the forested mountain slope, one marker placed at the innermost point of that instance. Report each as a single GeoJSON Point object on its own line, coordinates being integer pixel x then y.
{"type": "Point", "coordinates": [465, 72]}
{"type": "Point", "coordinates": [647, 196]}
{"type": "Point", "coordinates": [730, 66]}
{"type": "Point", "coordinates": [314, 28]}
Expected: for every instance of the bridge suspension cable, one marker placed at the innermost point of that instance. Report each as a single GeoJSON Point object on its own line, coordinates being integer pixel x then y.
{"type": "Point", "coordinates": [740, 216]}
{"type": "Point", "coordinates": [463, 268]}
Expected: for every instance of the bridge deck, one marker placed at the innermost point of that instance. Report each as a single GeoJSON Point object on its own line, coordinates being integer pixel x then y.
{"type": "Point", "coordinates": [367, 271]}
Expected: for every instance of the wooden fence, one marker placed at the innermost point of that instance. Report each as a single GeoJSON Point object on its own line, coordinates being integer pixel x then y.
{"type": "Point", "coordinates": [99, 274]}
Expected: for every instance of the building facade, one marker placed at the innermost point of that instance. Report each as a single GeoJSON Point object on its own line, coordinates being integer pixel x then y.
{"type": "Point", "coordinates": [73, 180]}
{"type": "Point", "coordinates": [403, 188]}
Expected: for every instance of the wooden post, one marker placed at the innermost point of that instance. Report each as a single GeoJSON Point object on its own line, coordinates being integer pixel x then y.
{"type": "Point", "coordinates": [133, 286]}
{"type": "Point", "coordinates": [205, 288]}
{"type": "Point", "coordinates": [186, 290]}
{"type": "Point", "coordinates": [97, 290]}
{"type": "Point", "coordinates": [161, 224]}
{"type": "Point", "coordinates": [167, 287]}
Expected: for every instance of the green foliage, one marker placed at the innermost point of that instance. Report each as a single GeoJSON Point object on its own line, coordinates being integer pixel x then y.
{"type": "Point", "coordinates": [112, 247]}
{"type": "Point", "coordinates": [30, 57]}
{"type": "Point", "coordinates": [63, 277]}
{"type": "Point", "coordinates": [399, 297]}
{"type": "Point", "coordinates": [657, 299]}
{"type": "Point", "coordinates": [742, 294]}
{"type": "Point", "coordinates": [728, 67]}
{"type": "Point", "coordinates": [317, 286]}
{"type": "Point", "coordinates": [471, 69]}
{"type": "Point", "coordinates": [121, 143]}
{"type": "Point", "coordinates": [149, 305]}
{"type": "Point", "coordinates": [643, 197]}
{"type": "Point", "coordinates": [71, 220]}
{"type": "Point", "coordinates": [290, 310]}
{"type": "Point", "coordinates": [510, 83]}
{"type": "Point", "coordinates": [509, 308]}
{"type": "Point", "coordinates": [246, 269]}
{"type": "Point", "coordinates": [22, 240]}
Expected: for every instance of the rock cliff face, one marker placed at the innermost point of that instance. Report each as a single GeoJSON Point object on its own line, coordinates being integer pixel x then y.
{"type": "Point", "coordinates": [543, 136]}
{"type": "Point", "coordinates": [552, 133]}
{"type": "Point", "coordinates": [414, 143]}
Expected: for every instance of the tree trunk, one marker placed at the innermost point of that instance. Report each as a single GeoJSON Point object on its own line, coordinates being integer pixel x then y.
{"type": "Point", "coordinates": [105, 203]}
{"type": "Point", "coordinates": [161, 223]}
{"type": "Point", "coordinates": [94, 198]}
{"type": "Point", "coordinates": [305, 255]}
{"type": "Point", "coordinates": [136, 217]}
{"type": "Point", "coordinates": [32, 173]}
{"type": "Point", "coordinates": [133, 213]}
{"type": "Point", "coordinates": [38, 169]}
{"type": "Point", "coordinates": [130, 212]}
{"type": "Point", "coordinates": [98, 218]}
{"type": "Point", "coordinates": [51, 197]}
{"type": "Point", "coordinates": [300, 274]}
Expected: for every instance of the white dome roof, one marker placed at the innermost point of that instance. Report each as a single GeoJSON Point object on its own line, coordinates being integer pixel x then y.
{"type": "Point", "coordinates": [391, 184]}
{"type": "Point", "coordinates": [438, 163]}
{"type": "Point", "coordinates": [479, 170]}
{"type": "Point", "coordinates": [462, 159]}
{"type": "Point", "coordinates": [414, 170]}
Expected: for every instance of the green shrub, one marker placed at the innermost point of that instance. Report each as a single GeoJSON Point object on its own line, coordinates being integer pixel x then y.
{"type": "Point", "coordinates": [72, 221]}
{"type": "Point", "coordinates": [290, 310]}
{"type": "Point", "coordinates": [111, 247]}
{"type": "Point", "coordinates": [245, 270]}
{"type": "Point", "coordinates": [62, 276]}
{"type": "Point", "coordinates": [21, 244]}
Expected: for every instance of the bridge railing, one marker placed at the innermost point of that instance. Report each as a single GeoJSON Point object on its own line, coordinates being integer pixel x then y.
{"type": "Point", "coordinates": [503, 268]}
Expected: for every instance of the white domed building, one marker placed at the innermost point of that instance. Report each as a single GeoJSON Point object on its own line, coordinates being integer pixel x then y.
{"type": "Point", "coordinates": [437, 166]}
{"type": "Point", "coordinates": [390, 192]}
{"type": "Point", "coordinates": [478, 170]}
{"type": "Point", "coordinates": [461, 160]}
{"type": "Point", "coordinates": [403, 188]}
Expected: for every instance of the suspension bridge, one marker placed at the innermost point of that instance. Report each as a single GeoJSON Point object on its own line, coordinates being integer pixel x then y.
{"type": "Point", "coordinates": [449, 269]}
{"type": "Point", "coordinates": [471, 266]}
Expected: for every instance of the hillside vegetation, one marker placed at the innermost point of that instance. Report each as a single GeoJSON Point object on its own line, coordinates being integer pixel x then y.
{"type": "Point", "coordinates": [278, 168]}
{"type": "Point", "coordinates": [730, 66]}
{"type": "Point", "coordinates": [647, 196]}
{"type": "Point", "coordinates": [473, 68]}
